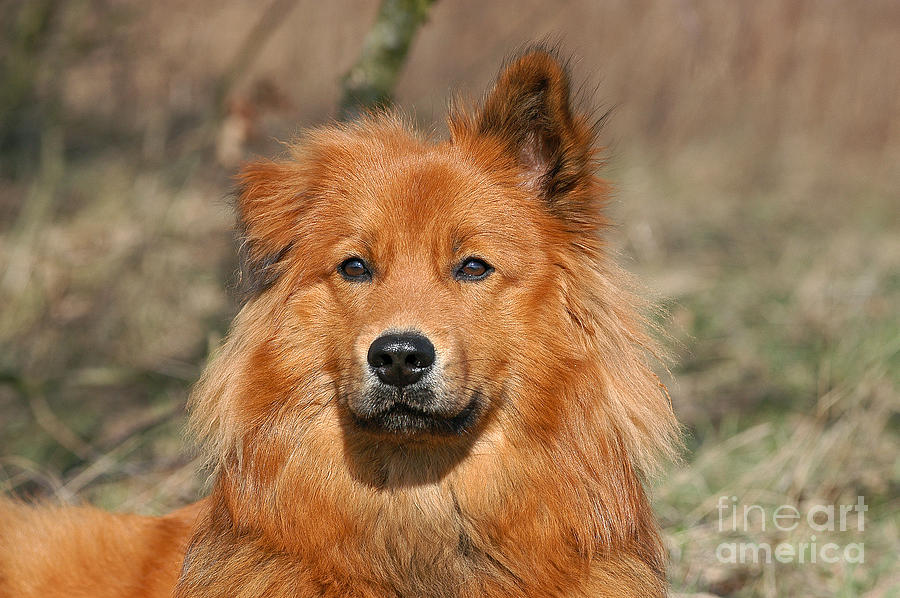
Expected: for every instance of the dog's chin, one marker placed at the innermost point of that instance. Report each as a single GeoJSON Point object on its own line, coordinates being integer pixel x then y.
{"type": "Point", "coordinates": [404, 421]}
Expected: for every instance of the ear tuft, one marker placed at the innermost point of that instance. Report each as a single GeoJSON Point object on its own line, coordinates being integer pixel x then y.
{"type": "Point", "coordinates": [529, 110]}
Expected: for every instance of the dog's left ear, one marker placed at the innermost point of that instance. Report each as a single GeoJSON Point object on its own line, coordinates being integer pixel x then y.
{"type": "Point", "coordinates": [529, 111]}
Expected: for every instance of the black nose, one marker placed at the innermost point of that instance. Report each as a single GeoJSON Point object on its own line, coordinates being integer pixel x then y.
{"type": "Point", "coordinates": [401, 359]}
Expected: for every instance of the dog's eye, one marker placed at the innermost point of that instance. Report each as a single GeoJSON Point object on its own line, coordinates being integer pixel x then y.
{"type": "Point", "coordinates": [355, 269]}
{"type": "Point", "coordinates": [473, 268]}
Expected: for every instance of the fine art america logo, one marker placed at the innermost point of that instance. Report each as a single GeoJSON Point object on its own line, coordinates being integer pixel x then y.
{"type": "Point", "coordinates": [823, 519]}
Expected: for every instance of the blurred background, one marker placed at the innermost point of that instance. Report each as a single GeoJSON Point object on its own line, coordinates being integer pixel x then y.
{"type": "Point", "coordinates": [755, 148]}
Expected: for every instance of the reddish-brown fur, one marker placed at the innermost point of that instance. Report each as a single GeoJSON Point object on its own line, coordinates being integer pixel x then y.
{"type": "Point", "coordinates": [542, 496]}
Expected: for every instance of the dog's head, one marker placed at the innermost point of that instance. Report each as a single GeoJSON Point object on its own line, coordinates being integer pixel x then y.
{"type": "Point", "coordinates": [419, 294]}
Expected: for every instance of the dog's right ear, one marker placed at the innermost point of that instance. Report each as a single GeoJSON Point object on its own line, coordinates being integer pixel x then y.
{"type": "Point", "coordinates": [269, 206]}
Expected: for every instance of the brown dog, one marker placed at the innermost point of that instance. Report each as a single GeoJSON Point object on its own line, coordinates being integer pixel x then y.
{"type": "Point", "coordinates": [438, 387]}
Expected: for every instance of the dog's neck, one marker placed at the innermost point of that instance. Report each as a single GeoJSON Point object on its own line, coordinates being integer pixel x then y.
{"type": "Point", "coordinates": [470, 530]}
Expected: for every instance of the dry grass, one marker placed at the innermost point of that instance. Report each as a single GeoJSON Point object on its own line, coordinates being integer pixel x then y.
{"type": "Point", "coordinates": [782, 309]}
{"type": "Point", "coordinates": [755, 149]}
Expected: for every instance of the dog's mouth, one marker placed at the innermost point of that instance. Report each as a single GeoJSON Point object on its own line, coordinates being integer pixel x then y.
{"type": "Point", "coordinates": [400, 418]}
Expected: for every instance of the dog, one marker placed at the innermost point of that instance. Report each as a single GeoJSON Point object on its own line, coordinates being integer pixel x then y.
{"type": "Point", "coordinates": [439, 385]}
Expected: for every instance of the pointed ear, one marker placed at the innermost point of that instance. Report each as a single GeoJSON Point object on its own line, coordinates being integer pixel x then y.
{"type": "Point", "coordinates": [529, 111]}
{"type": "Point", "coordinates": [269, 206]}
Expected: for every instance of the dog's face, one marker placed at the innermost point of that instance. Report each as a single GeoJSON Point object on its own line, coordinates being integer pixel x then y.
{"type": "Point", "coordinates": [418, 281]}
{"type": "Point", "coordinates": [421, 287]}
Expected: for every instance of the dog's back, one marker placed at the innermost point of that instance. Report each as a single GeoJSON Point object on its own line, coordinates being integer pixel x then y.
{"type": "Point", "coordinates": [78, 552]}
